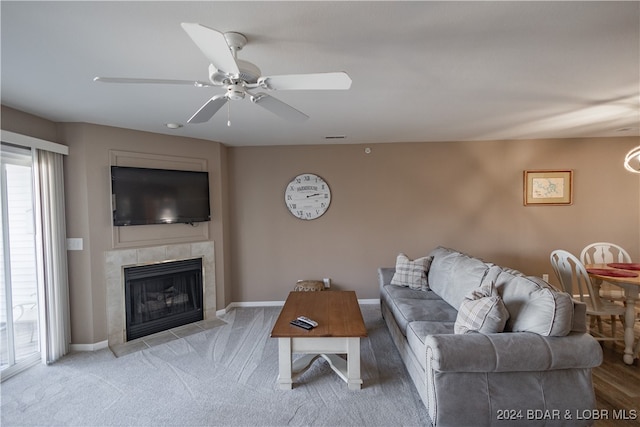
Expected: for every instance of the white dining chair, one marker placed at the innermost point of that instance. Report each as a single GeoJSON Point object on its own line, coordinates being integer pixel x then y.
{"type": "Point", "coordinates": [575, 280]}
{"type": "Point", "coordinates": [604, 253]}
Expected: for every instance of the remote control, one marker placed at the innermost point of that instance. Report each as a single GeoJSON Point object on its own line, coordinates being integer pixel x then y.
{"type": "Point", "coordinates": [301, 324]}
{"type": "Point", "coordinates": [309, 321]}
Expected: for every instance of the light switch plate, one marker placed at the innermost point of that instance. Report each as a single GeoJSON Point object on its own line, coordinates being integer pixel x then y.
{"type": "Point", "coordinates": [74, 244]}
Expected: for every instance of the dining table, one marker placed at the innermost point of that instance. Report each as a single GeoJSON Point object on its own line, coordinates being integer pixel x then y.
{"type": "Point", "coordinates": [626, 276]}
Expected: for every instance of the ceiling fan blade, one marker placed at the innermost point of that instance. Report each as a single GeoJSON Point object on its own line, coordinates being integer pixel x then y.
{"type": "Point", "coordinates": [279, 108]}
{"type": "Point", "coordinates": [214, 46]}
{"type": "Point", "coordinates": [207, 111]}
{"type": "Point", "coordinates": [321, 81]}
{"type": "Point", "coordinates": [152, 81]}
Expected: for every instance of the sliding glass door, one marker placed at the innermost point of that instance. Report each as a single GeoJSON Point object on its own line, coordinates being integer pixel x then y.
{"type": "Point", "coordinates": [19, 337]}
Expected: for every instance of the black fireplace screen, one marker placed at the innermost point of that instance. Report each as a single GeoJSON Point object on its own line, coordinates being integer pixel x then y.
{"type": "Point", "coordinates": [162, 296]}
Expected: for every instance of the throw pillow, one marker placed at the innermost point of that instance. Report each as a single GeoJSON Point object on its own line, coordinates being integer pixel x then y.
{"type": "Point", "coordinates": [412, 273]}
{"type": "Point", "coordinates": [482, 311]}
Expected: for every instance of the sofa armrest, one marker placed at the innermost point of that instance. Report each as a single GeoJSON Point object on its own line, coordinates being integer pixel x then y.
{"type": "Point", "coordinates": [385, 274]}
{"type": "Point", "coordinates": [579, 317]}
{"type": "Point", "coordinates": [511, 352]}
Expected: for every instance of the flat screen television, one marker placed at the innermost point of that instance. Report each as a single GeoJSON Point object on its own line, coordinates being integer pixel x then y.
{"type": "Point", "coordinates": [142, 196]}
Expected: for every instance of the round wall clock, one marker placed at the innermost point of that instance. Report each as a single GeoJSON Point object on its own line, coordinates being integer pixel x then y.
{"type": "Point", "coordinates": [307, 196]}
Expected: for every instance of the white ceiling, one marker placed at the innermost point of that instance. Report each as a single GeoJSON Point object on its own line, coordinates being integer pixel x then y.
{"type": "Point", "coordinates": [421, 71]}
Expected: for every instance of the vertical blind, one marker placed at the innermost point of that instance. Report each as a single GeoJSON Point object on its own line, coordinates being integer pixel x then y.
{"type": "Point", "coordinates": [53, 272]}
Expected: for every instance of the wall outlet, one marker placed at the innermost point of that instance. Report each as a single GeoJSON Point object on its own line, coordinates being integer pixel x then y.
{"type": "Point", "coordinates": [545, 277]}
{"type": "Point", "coordinates": [327, 282]}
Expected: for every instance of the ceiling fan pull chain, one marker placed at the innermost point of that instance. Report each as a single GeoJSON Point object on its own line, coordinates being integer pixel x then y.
{"type": "Point", "coordinates": [228, 114]}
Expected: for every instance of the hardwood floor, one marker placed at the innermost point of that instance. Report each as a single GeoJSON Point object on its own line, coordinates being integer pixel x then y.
{"type": "Point", "coordinates": [617, 385]}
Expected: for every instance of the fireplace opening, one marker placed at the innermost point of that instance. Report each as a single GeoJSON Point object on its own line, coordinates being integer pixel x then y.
{"type": "Point", "coordinates": [162, 296]}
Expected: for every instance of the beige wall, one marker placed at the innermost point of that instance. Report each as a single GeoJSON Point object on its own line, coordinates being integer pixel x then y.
{"type": "Point", "coordinates": [27, 124]}
{"type": "Point", "coordinates": [401, 197]}
{"type": "Point", "coordinates": [412, 197]}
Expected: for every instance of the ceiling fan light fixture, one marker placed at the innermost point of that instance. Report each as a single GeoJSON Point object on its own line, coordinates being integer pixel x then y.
{"type": "Point", "coordinates": [173, 125]}
{"type": "Point", "coordinates": [235, 91]}
{"type": "Point", "coordinates": [632, 160]}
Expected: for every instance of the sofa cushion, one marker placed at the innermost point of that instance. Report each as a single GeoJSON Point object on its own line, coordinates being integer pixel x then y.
{"type": "Point", "coordinates": [534, 305]}
{"type": "Point", "coordinates": [453, 275]}
{"type": "Point", "coordinates": [482, 311]}
{"type": "Point", "coordinates": [411, 273]}
{"type": "Point", "coordinates": [407, 310]}
{"type": "Point", "coordinates": [394, 292]}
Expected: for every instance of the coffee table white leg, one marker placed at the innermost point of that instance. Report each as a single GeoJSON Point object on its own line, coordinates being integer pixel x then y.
{"type": "Point", "coordinates": [354, 381]}
{"type": "Point", "coordinates": [284, 363]}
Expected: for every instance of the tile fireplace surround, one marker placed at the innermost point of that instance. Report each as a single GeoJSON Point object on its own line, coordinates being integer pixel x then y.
{"type": "Point", "coordinates": [117, 260]}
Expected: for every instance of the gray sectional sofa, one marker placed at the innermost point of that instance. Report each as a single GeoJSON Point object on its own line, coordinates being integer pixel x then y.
{"type": "Point", "coordinates": [536, 371]}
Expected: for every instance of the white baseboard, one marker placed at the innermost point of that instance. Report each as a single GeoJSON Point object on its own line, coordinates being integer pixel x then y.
{"type": "Point", "coordinates": [89, 347]}
{"type": "Point", "coordinates": [249, 304]}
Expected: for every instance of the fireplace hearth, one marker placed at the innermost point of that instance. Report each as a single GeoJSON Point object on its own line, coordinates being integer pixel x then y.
{"type": "Point", "coordinates": [162, 296]}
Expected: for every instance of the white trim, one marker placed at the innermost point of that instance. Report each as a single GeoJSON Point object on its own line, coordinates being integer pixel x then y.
{"type": "Point", "coordinates": [256, 304]}
{"type": "Point", "coordinates": [90, 347]}
{"type": "Point", "coordinates": [29, 141]}
{"type": "Point", "coordinates": [13, 370]}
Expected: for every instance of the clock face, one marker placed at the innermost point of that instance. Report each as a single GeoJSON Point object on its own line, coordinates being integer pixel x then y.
{"type": "Point", "coordinates": [307, 196]}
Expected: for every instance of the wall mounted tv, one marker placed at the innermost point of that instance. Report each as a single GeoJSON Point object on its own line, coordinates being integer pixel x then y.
{"type": "Point", "coordinates": [141, 196]}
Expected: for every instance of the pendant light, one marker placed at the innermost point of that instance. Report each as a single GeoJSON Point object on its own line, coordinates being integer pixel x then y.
{"type": "Point", "coordinates": [632, 160]}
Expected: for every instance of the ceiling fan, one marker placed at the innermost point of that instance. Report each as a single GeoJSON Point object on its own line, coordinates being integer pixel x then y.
{"type": "Point", "coordinates": [240, 78]}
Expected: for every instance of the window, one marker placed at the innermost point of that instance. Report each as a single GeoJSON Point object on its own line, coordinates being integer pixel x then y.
{"type": "Point", "coordinates": [19, 337]}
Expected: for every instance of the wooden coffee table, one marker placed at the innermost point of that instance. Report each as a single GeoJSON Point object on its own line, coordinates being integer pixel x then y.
{"type": "Point", "coordinates": [340, 327]}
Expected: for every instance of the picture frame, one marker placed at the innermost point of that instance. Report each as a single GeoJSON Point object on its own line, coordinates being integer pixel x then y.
{"type": "Point", "coordinates": [548, 187]}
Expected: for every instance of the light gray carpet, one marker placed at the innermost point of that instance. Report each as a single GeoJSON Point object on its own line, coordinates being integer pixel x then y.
{"type": "Point", "coordinates": [225, 376]}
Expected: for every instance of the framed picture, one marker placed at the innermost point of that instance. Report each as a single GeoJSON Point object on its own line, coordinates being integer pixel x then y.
{"type": "Point", "coordinates": [548, 187]}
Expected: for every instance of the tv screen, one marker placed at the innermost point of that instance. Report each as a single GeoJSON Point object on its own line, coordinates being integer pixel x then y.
{"type": "Point", "coordinates": [143, 196]}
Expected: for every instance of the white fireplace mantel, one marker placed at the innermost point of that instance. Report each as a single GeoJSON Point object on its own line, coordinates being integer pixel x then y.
{"type": "Point", "coordinates": [117, 260]}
